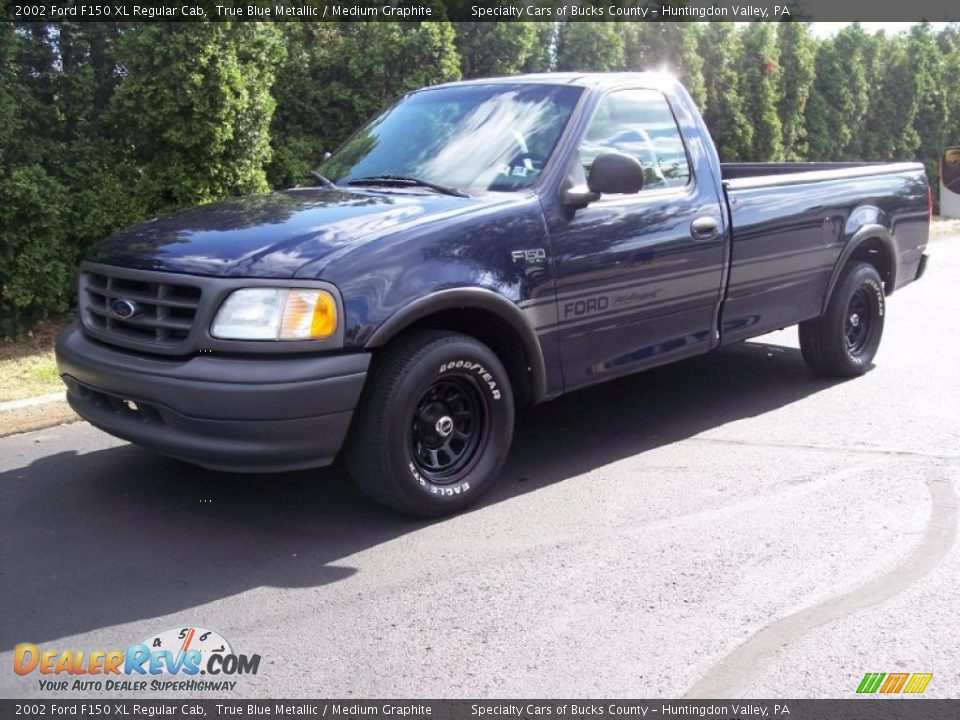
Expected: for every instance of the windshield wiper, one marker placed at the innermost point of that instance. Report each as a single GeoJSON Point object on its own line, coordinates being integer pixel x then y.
{"type": "Point", "coordinates": [326, 182]}
{"type": "Point", "coordinates": [409, 181]}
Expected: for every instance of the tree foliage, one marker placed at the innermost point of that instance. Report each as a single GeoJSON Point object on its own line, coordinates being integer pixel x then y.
{"type": "Point", "coordinates": [839, 101]}
{"type": "Point", "coordinates": [11, 95]}
{"type": "Point", "coordinates": [723, 110]}
{"type": "Point", "coordinates": [541, 59]}
{"type": "Point", "coordinates": [671, 46]}
{"type": "Point", "coordinates": [796, 81]}
{"type": "Point", "coordinates": [760, 82]}
{"type": "Point", "coordinates": [103, 124]}
{"type": "Point", "coordinates": [216, 80]}
{"type": "Point", "coordinates": [36, 259]}
{"type": "Point", "coordinates": [888, 131]}
{"type": "Point", "coordinates": [336, 77]}
{"type": "Point", "coordinates": [589, 46]}
{"type": "Point", "coordinates": [496, 48]}
{"type": "Point", "coordinates": [930, 121]}
{"type": "Point", "coordinates": [950, 46]}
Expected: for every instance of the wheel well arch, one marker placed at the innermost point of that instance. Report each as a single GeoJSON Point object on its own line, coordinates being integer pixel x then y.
{"type": "Point", "coordinates": [487, 317]}
{"type": "Point", "coordinates": [873, 245]}
{"type": "Point", "coordinates": [874, 251]}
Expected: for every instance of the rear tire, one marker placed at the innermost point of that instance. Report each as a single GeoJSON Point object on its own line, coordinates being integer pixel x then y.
{"type": "Point", "coordinates": [844, 340]}
{"type": "Point", "coordinates": [434, 424]}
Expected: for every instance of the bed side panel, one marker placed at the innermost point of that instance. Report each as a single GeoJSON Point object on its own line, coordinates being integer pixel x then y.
{"type": "Point", "coordinates": [788, 238]}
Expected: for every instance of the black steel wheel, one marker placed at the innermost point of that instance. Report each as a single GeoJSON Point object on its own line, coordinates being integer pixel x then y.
{"type": "Point", "coordinates": [844, 340]}
{"type": "Point", "coordinates": [448, 429]}
{"type": "Point", "coordinates": [858, 323]}
{"type": "Point", "coordinates": [434, 424]}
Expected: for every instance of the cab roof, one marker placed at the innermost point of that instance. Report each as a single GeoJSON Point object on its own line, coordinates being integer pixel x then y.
{"type": "Point", "coordinates": [579, 79]}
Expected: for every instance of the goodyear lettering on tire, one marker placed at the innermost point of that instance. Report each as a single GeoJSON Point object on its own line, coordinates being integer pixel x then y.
{"type": "Point", "coordinates": [477, 369]}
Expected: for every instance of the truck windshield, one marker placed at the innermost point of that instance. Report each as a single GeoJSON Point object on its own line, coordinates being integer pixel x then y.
{"type": "Point", "coordinates": [469, 138]}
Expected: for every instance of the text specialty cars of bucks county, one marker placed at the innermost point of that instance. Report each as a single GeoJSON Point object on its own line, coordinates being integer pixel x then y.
{"type": "Point", "coordinates": [477, 247]}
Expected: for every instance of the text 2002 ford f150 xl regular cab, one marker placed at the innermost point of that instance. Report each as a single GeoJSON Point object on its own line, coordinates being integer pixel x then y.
{"type": "Point", "coordinates": [478, 246]}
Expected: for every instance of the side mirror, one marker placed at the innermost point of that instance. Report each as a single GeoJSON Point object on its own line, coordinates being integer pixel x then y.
{"type": "Point", "coordinates": [617, 174]}
{"type": "Point", "coordinates": [578, 197]}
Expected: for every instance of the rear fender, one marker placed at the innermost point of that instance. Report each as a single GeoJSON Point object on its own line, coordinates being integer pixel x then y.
{"type": "Point", "coordinates": [864, 234]}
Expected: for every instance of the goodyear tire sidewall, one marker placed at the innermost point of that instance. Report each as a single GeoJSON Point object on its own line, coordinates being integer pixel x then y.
{"type": "Point", "coordinates": [486, 374]}
{"type": "Point", "coordinates": [868, 279]}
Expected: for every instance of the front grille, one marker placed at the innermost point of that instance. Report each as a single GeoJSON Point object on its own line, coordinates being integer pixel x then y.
{"type": "Point", "coordinates": [173, 311]}
{"type": "Point", "coordinates": [140, 309]}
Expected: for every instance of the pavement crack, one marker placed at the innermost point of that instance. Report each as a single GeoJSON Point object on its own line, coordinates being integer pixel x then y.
{"type": "Point", "coordinates": [731, 672]}
{"type": "Point", "coordinates": [829, 448]}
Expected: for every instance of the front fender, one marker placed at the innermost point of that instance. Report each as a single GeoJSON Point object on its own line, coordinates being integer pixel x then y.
{"type": "Point", "coordinates": [474, 298]}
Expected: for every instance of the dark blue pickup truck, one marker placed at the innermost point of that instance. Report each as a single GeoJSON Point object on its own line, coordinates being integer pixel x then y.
{"type": "Point", "coordinates": [476, 247]}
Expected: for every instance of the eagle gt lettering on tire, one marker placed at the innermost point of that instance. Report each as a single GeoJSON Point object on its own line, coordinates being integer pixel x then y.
{"type": "Point", "coordinates": [434, 424]}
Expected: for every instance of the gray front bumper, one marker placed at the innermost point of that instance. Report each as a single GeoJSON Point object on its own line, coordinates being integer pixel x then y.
{"type": "Point", "coordinates": [235, 413]}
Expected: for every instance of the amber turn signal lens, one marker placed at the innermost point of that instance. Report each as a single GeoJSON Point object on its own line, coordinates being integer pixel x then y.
{"type": "Point", "coordinates": [308, 315]}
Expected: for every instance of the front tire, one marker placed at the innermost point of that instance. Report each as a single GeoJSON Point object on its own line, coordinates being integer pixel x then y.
{"type": "Point", "coordinates": [434, 424]}
{"type": "Point", "coordinates": [844, 340]}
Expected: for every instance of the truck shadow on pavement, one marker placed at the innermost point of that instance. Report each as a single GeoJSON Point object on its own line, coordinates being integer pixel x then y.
{"type": "Point", "coordinates": [113, 536]}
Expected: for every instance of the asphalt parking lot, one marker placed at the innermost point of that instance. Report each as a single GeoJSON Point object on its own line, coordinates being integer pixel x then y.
{"type": "Point", "coordinates": [730, 526]}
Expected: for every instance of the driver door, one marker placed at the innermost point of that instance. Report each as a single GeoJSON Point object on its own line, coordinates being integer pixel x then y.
{"type": "Point", "coordinates": [637, 279]}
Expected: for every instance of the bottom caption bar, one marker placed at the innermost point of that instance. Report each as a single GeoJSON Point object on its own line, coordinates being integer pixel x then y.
{"type": "Point", "coordinates": [864, 709]}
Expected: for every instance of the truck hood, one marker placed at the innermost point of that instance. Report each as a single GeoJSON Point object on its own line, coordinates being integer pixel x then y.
{"type": "Point", "coordinates": [268, 235]}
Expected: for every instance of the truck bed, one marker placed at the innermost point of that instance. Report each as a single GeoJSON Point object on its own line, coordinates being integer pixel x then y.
{"type": "Point", "coordinates": [791, 222]}
{"type": "Point", "coordinates": [747, 171]}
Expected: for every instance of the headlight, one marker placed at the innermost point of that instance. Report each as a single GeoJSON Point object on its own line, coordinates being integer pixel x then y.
{"type": "Point", "coordinates": [276, 314]}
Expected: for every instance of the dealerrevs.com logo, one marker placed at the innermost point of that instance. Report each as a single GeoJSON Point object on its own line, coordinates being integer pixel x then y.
{"type": "Point", "coordinates": [180, 659]}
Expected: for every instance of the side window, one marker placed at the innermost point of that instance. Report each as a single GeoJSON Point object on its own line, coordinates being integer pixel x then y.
{"type": "Point", "coordinates": [638, 123]}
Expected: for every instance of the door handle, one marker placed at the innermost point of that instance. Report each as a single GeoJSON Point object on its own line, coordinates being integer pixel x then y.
{"type": "Point", "coordinates": [704, 228]}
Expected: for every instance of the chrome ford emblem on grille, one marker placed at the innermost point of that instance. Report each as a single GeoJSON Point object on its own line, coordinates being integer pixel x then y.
{"type": "Point", "coordinates": [123, 308]}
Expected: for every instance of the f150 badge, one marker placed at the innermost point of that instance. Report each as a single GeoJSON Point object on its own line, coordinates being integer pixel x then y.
{"type": "Point", "coordinates": [529, 257]}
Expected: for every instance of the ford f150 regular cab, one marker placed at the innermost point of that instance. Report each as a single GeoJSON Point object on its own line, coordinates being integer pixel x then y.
{"type": "Point", "coordinates": [476, 247]}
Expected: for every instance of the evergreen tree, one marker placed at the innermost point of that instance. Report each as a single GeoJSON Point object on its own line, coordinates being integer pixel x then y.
{"type": "Point", "coordinates": [36, 259]}
{"type": "Point", "coordinates": [89, 75]}
{"type": "Point", "coordinates": [495, 48]}
{"type": "Point", "coordinates": [930, 122]}
{"type": "Point", "coordinates": [590, 47]}
{"type": "Point", "coordinates": [889, 131]}
{"type": "Point", "coordinates": [95, 168]}
{"type": "Point", "coordinates": [11, 96]}
{"type": "Point", "coordinates": [544, 48]}
{"type": "Point", "coordinates": [37, 64]}
{"type": "Point", "coordinates": [196, 107]}
{"type": "Point", "coordinates": [839, 100]}
{"type": "Point", "coordinates": [759, 84]}
{"type": "Point", "coordinates": [796, 58]}
{"type": "Point", "coordinates": [337, 77]}
{"type": "Point", "coordinates": [949, 41]}
{"type": "Point", "coordinates": [731, 130]}
{"type": "Point", "coordinates": [673, 46]}
{"type": "Point", "coordinates": [875, 65]}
